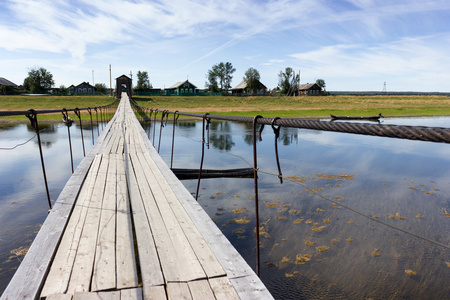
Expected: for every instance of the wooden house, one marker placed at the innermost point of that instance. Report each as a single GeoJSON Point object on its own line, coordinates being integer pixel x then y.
{"type": "Point", "coordinates": [182, 88]}
{"type": "Point", "coordinates": [242, 89]}
{"type": "Point", "coordinates": [83, 88]}
{"type": "Point", "coordinates": [309, 89]}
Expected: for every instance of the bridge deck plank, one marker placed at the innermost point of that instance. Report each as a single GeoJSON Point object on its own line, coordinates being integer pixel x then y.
{"type": "Point", "coordinates": [134, 225]}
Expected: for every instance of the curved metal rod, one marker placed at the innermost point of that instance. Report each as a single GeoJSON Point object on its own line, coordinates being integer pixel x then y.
{"type": "Point", "coordinates": [203, 156]}
{"type": "Point", "coordinates": [276, 131]}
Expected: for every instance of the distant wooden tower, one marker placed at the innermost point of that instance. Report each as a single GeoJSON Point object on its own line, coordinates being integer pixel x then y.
{"type": "Point", "coordinates": [123, 84]}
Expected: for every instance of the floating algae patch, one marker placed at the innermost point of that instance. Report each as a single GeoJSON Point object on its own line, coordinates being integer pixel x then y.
{"type": "Point", "coordinates": [273, 204]}
{"type": "Point", "coordinates": [239, 210]}
{"type": "Point", "coordinates": [318, 229]}
{"type": "Point", "coordinates": [309, 243]}
{"type": "Point", "coordinates": [243, 220]}
{"type": "Point", "coordinates": [294, 211]}
{"type": "Point", "coordinates": [376, 253]}
{"type": "Point", "coordinates": [322, 248]}
{"type": "Point", "coordinates": [410, 272]}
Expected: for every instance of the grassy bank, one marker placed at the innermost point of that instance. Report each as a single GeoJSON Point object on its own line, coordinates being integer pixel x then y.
{"type": "Point", "coordinates": [288, 107]}
{"type": "Point", "coordinates": [313, 106]}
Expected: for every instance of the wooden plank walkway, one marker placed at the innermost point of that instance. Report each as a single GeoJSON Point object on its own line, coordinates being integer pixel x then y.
{"type": "Point", "coordinates": [125, 227]}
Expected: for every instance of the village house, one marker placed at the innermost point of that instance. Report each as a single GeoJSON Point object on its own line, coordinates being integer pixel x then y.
{"type": "Point", "coordinates": [242, 89]}
{"type": "Point", "coordinates": [6, 85]}
{"type": "Point", "coordinates": [182, 88]}
{"type": "Point", "coordinates": [309, 89]}
{"type": "Point", "coordinates": [83, 88]}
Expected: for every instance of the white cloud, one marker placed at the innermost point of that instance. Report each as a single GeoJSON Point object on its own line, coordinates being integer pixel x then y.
{"type": "Point", "coordinates": [424, 58]}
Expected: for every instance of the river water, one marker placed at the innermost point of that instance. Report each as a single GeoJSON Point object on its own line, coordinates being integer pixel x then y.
{"type": "Point", "coordinates": [356, 217]}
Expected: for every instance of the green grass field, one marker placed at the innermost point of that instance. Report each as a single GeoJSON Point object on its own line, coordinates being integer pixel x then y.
{"type": "Point", "coordinates": [287, 107]}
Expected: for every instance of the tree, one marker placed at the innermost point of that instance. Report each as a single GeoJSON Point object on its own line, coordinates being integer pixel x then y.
{"type": "Point", "coordinates": [252, 78]}
{"type": "Point", "coordinates": [211, 84]}
{"type": "Point", "coordinates": [288, 80]}
{"type": "Point", "coordinates": [220, 73]}
{"type": "Point", "coordinates": [321, 83]}
{"type": "Point", "coordinates": [38, 80]}
{"type": "Point", "coordinates": [63, 90]}
{"type": "Point", "coordinates": [101, 88]}
{"type": "Point", "coordinates": [143, 82]}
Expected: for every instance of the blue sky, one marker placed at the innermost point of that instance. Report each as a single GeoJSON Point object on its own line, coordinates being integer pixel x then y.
{"type": "Point", "coordinates": [354, 45]}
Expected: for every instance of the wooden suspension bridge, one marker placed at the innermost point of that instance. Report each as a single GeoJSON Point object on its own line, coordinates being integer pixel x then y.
{"type": "Point", "coordinates": [124, 227]}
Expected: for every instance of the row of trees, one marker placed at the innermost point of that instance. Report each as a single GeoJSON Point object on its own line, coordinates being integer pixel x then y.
{"type": "Point", "coordinates": [220, 75]}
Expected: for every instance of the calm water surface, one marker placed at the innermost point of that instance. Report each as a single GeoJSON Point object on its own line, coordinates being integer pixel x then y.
{"type": "Point", "coordinates": [353, 215]}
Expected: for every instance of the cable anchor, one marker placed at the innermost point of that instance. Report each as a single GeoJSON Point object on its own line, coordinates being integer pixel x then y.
{"type": "Point", "coordinates": [276, 131]}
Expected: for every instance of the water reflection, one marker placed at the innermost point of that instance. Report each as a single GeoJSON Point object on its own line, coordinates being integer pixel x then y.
{"type": "Point", "coordinates": [220, 136]}
{"type": "Point", "coordinates": [353, 215]}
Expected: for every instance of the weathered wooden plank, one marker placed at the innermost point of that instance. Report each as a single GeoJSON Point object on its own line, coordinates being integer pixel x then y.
{"type": "Point", "coordinates": [192, 268]}
{"type": "Point", "coordinates": [201, 290]}
{"type": "Point", "coordinates": [58, 278]}
{"type": "Point", "coordinates": [104, 273]}
{"type": "Point", "coordinates": [148, 256]}
{"type": "Point", "coordinates": [84, 261]}
{"type": "Point", "coordinates": [170, 264]}
{"type": "Point", "coordinates": [157, 292]}
{"type": "Point", "coordinates": [59, 297]}
{"type": "Point", "coordinates": [125, 258]}
{"type": "Point", "coordinates": [131, 294]}
{"type": "Point", "coordinates": [202, 250]}
{"type": "Point", "coordinates": [115, 295]}
{"type": "Point", "coordinates": [223, 290]}
{"type": "Point", "coordinates": [178, 291]}
{"type": "Point", "coordinates": [250, 287]}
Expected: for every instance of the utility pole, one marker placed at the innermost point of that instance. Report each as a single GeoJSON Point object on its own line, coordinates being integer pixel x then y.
{"type": "Point", "coordinates": [384, 92]}
{"type": "Point", "coordinates": [93, 83]}
{"type": "Point", "coordinates": [110, 82]}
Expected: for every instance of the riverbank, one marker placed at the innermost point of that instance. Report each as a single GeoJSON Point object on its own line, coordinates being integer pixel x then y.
{"type": "Point", "coordinates": [307, 107]}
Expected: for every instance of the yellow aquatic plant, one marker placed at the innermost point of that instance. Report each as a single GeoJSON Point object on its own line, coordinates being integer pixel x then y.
{"type": "Point", "coordinates": [444, 211]}
{"type": "Point", "coordinates": [243, 220]}
{"type": "Point", "coordinates": [376, 253]}
{"type": "Point", "coordinates": [309, 243]}
{"type": "Point", "coordinates": [349, 239]}
{"type": "Point", "coordinates": [318, 229]}
{"type": "Point", "coordinates": [298, 221]}
{"type": "Point", "coordinates": [272, 204]}
{"type": "Point", "coordinates": [239, 210]}
{"type": "Point", "coordinates": [322, 248]}
{"type": "Point", "coordinates": [285, 259]}
{"type": "Point", "coordinates": [410, 272]}
{"type": "Point", "coordinates": [397, 215]}
{"type": "Point", "coordinates": [302, 259]}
